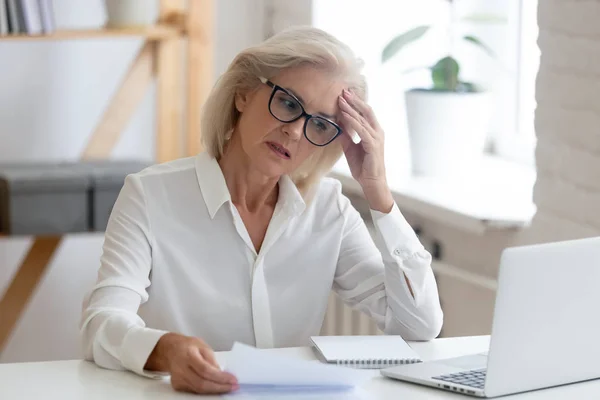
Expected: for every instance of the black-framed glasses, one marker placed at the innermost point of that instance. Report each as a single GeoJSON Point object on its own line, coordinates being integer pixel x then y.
{"type": "Point", "coordinates": [285, 107]}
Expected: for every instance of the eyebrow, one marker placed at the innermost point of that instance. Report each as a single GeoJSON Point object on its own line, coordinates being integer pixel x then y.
{"type": "Point", "coordinates": [329, 117]}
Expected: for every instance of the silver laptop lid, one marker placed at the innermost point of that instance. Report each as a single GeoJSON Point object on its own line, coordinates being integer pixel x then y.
{"type": "Point", "coordinates": [546, 318]}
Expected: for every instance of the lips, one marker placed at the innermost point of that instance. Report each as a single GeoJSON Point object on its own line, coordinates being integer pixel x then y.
{"type": "Point", "coordinates": [279, 150]}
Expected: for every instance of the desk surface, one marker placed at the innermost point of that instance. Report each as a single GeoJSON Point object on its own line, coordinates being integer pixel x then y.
{"type": "Point", "coordinates": [66, 380]}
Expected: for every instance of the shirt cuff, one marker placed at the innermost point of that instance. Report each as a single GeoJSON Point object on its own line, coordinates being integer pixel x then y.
{"type": "Point", "coordinates": [397, 235]}
{"type": "Point", "coordinates": [137, 347]}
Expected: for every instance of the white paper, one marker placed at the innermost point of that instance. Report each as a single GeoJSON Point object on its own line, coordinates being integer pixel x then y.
{"type": "Point", "coordinates": [295, 395]}
{"type": "Point", "coordinates": [375, 348]}
{"type": "Point", "coordinates": [261, 372]}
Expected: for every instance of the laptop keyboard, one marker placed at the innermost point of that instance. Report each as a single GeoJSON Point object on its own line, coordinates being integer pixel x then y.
{"type": "Point", "coordinates": [474, 378]}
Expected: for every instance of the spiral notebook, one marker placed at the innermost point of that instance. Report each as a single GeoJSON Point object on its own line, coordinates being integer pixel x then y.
{"type": "Point", "coordinates": [372, 352]}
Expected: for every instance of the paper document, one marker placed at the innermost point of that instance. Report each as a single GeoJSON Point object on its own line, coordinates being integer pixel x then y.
{"type": "Point", "coordinates": [259, 372]}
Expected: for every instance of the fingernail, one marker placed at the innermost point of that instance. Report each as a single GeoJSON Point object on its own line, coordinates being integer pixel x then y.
{"type": "Point", "coordinates": [343, 100]}
{"type": "Point", "coordinates": [347, 93]}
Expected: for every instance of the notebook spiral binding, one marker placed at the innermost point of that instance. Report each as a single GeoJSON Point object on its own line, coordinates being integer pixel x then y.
{"type": "Point", "coordinates": [376, 364]}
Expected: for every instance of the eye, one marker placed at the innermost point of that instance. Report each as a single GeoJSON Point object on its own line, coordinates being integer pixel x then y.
{"type": "Point", "coordinates": [320, 125]}
{"type": "Point", "coordinates": [288, 103]}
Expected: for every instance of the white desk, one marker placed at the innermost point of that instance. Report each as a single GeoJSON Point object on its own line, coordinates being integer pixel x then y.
{"type": "Point", "coordinates": [70, 380]}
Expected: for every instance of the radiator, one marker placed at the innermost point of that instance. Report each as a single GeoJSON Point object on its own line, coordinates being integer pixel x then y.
{"type": "Point", "coordinates": [340, 319]}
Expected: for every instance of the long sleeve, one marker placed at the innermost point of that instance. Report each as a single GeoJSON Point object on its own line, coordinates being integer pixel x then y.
{"type": "Point", "coordinates": [113, 335]}
{"type": "Point", "coordinates": [370, 274]}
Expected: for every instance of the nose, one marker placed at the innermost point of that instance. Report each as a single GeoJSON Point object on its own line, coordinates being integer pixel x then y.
{"type": "Point", "coordinates": [294, 129]}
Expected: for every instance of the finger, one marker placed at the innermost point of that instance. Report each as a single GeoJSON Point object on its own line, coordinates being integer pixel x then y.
{"type": "Point", "coordinates": [345, 140]}
{"type": "Point", "coordinates": [364, 135]}
{"type": "Point", "coordinates": [363, 108]}
{"type": "Point", "coordinates": [209, 356]}
{"type": "Point", "coordinates": [351, 149]}
{"type": "Point", "coordinates": [179, 383]}
{"type": "Point", "coordinates": [203, 386]}
{"type": "Point", "coordinates": [347, 108]}
{"type": "Point", "coordinates": [209, 372]}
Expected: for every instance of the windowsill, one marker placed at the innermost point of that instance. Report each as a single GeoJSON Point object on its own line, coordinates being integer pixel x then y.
{"type": "Point", "coordinates": [497, 194]}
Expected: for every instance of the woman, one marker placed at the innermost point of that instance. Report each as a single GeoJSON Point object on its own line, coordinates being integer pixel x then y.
{"type": "Point", "coordinates": [245, 241]}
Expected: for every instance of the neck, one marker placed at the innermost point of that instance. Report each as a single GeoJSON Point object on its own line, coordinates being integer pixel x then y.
{"type": "Point", "coordinates": [249, 188]}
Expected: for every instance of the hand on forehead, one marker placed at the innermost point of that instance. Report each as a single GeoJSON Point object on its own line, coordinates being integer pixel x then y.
{"type": "Point", "coordinates": [317, 90]}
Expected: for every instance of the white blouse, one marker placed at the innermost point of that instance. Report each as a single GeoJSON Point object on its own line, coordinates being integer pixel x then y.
{"type": "Point", "coordinates": [178, 258]}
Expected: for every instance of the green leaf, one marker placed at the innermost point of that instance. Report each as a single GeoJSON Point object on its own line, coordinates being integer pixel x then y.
{"type": "Point", "coordinates": [402, 40]}
{"type": "Point", "coordinates": [485, 18]}
{"type": "Point", "coordinates": [445, 74]}
{"type": "Point", "coordinates": [481, 45]}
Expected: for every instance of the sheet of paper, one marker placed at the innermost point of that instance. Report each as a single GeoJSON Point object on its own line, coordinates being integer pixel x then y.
{"type": "Point", "coordinates": [261, 372]}
{"type": "Point", "coordinates": [301, 395]}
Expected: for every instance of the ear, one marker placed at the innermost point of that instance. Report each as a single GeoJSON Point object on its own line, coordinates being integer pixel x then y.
{"type": "Point", "coordinates": [241, 101]}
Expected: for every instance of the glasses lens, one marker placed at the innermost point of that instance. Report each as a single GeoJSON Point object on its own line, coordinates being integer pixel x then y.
{"type": "Point", "coordinates": [320, 131]}
{"type": "Point", "coordinates": [284, 107]}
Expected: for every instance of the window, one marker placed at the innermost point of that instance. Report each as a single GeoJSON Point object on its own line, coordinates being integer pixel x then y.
{"type": "Point", "coordinates": [529, 64]}
{"type": "Point", "coordinates": [368, 26]}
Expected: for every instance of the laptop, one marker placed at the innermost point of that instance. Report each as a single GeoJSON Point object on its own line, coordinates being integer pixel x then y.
{"type": "Point", "coordinates": [545, 328]}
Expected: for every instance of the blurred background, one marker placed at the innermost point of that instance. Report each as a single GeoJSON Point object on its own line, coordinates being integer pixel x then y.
{"type": "Point", "coordinates": [488, 109]}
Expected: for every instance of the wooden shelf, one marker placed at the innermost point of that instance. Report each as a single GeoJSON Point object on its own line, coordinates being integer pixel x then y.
{"type": "Point", "coordinates": [156, 32]}
{"type": "Point", "coordinates": [160, 60]}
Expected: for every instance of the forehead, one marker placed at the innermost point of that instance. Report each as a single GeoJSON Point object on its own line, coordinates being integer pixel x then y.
{"type": "Point", "coordinates": [317, 89]}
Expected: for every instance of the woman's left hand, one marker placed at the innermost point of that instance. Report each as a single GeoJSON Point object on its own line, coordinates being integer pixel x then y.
{"type": "Point", "coordinates": [365, 159]}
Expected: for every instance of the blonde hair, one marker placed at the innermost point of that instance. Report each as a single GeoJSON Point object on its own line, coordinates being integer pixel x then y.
{"type": "Point", "coordinates": [293, 47]}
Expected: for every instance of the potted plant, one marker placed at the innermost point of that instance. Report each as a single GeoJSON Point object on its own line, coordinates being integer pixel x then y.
{"type": "Point", "coordinates": [448, 121]}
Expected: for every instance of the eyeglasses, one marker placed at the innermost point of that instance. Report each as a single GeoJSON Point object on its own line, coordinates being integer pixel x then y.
{"type": "Point", "coordinates": [285, 107]}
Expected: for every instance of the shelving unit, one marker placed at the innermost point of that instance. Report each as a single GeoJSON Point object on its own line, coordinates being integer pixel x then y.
{"type": "Point", "coordinates": [179, 46]}
{"type": "Point", "coordinates": [156, 32]}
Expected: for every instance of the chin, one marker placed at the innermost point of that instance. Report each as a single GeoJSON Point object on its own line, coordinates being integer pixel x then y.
{"type": "Point", "coordinates": [268, 166]}
{"type": "Point", "coordinates": [273, 168]}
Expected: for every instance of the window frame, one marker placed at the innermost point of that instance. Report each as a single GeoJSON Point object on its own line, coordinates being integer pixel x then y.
{"type": "Point", "coordinates": [519, 145]}
{"type": "Point", "coordinates": [514, 145]}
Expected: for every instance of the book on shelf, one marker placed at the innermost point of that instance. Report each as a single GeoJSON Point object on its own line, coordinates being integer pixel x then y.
{"type": "Point", "coordinates": [47, 15]}
{"type": "Point", "coordinates": [26, 17]}
{"type": "Point", "coordinates": [14, 22]}
{"type": "Point", "coordinates": [31, 17]}
{"type": "Point", "coordinates": [3, 18]}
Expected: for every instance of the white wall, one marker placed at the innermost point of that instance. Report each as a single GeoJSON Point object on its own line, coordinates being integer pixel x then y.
{"type": "Point", "coordinates": [51, 96]}
{"type": "Point", "coordinates": [567, 192]}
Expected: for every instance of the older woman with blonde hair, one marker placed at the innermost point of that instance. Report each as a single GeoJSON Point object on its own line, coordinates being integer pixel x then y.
{"type": "Point", "coordinates": [245, 241]}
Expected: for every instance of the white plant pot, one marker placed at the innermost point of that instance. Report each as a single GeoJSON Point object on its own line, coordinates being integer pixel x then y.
{"type": "Point", "coordinates": [447, 131]}
{"type": "Point", "coordinates": [131, 13]}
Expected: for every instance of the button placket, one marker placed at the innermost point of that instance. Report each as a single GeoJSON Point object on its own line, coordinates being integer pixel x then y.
{"type": "Point", "coordinates": [261, 306]}
{"type": "Point", "coordinates": [261, 311]}
{"type": "Point", "coordinates": [241, 229]}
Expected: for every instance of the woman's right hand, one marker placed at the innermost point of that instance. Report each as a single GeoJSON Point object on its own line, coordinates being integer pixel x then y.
{"type": "Point", "coordinates": [191, 364]}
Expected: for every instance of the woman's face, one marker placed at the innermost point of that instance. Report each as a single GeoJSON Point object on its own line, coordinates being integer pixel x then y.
{"type": "Point", "coordinates": [276, 148]}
